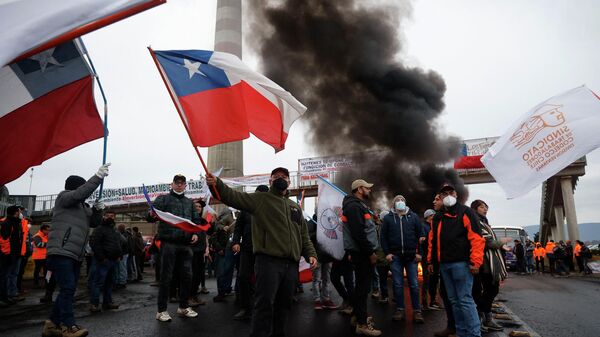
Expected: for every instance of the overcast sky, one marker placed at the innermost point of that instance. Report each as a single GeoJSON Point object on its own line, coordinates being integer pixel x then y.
{"type": "Point", "coordinates": [498, 58]}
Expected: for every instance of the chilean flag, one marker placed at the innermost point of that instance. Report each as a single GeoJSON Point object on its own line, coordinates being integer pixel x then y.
{"type": "Point", "coordinates": [471, 151]}
{"type": "Point", "coordinates": [174, 220]}
{"type": "Point", "coordinates": [221, 100]}
{"type": "Point", "coordinates": [46, 107]}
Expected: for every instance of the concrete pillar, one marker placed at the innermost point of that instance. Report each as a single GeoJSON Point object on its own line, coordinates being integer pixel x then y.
{"type": "Point", "coordinates": [566, 185]}
{"type": "Point", "coordinates": [559, 231]}
{"type": "Point", "coordinates": [228, 38]}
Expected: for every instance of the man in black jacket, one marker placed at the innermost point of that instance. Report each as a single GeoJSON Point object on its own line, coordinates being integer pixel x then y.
{"type": "Point", "coordinates": [360, 242]}
{"type": "Point", "coordinates": [106, 246]}
{"type": "Point", "coordinates": [175, 248]}
{"type": "Point", "coordinates": [11, 235]}
{"type": "Point", "coordinates": [242, 244]}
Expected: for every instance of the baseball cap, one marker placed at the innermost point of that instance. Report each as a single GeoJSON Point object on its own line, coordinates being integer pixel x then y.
{"type": "Point", "coordinates": [428, 213]}
{"type": "Point", "coordinates": [360, 183]}
{"type": "Point", "coordinates": [179, 177]}
{"type": "Point", "coordinates": [282, 170]}
{"type": "Point", "coordinates": [447, 188]}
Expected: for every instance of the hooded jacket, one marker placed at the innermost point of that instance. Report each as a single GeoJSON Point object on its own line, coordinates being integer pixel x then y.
{"type": "Point", "coordinates": [360, 231]}
{"type": "Point", "coordinates": [400, 234]}
{"type": "Point", "coordinates": [71, 221]}
{"type": "Point", "coordinates": [12, 234]}
{"type": "Point", "coordinates": [278, 225]}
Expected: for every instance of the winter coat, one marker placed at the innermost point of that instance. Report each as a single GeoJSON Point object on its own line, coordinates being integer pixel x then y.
{"type": "Point", "coordinates": [493, 260]}
{"type": "Point", "coordinates": [181, 206]}
{"type": "Point", "coordinates": [360, 231]}
{"type": "Point", "coordinates": [400, 234]}
{"type": "Point", "coordinates": [106, 242]}
{"type": "Point", "coordinates": [138, 240]}
{"type": "Point", "coordinates": [71, 221]}
{"type": "Point", "coordinates": [242, 235]}
{"type": "Point", "coordinates": [12, 231]}
{"type": "Point", "coordinates": [278, 225]}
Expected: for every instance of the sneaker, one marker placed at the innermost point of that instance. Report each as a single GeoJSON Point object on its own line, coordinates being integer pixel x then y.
{"type": "Point", "coordinates": [242, 315]}
{"type": "Point", "coordinates": [383, 300]}
{"type": "Point", "coordinates": [353, 320]}
{"type": "Point", "coordinates": [204, 291]}
{"type": "Point", "coordinates": [367, 329]}
{"type": "Point", "coordinates": [74, 331]}
{"type": "Point", "coordinates": [375, 293]}
{"type": "Point", "coordinates": [110, 306]}
{"type": "Point", "coordinates": [398, 315]}
{"type": "Point", "coordinates": [435, 306]}
{"type": "Point", "coordinates": [329, 305]}
{"type": "Point", "coordinates": [95, 308]}
{"type": "Point", "coordinates": [51, 329]}
{"type": "Point", "coordinates": [163, 316]}
{"type": "Point", "coordinates": [195, 301]}
{"type": "Point", "coordinates": [318, 305]}
{"type": "Point", "coordinates": [418, 317]}
{"type": "Point", "coordinates": [187, 312]}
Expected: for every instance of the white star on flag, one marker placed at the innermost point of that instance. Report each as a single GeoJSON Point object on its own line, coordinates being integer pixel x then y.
{"type": "Point", "coordinates": [192, 67]}
{"type": "Point", "coordinates": [44, 58]}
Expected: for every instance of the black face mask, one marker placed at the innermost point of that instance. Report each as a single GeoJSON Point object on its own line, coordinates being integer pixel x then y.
{"type": "Point", "coordinates": [280, 184]}
{"type": "Point", "coordinates": [109, 222]}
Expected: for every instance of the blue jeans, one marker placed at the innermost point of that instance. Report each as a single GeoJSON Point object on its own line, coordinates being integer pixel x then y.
{"type": "Point", "coordinates": [225, 264]}
{"type": "Point", "coordinates": [102, 279]}
{"type": "Point", "coordinates": [320, 283]}
{"type": "Point", "coordinates": [398, 265]}
{"type": "Point", "coordinates": [66, 273]}
{"type": "Point", "coordinates": [121, 271]}
{"type": "Point", "coordinates": [529, 264]}
{"type": "Point", "coordinates": [13, 273]}
{"type": "Point", "coordinates": [459, 285]}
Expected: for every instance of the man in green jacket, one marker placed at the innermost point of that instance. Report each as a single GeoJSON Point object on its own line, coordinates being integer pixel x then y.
{"type": "Point", "coordinates": [279, 238]}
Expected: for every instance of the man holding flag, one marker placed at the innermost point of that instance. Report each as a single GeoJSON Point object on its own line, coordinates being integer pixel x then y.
{"type": "Point", "coordinates": [175, 247]}
{"type": "Point", "coordinates": [279, 238]}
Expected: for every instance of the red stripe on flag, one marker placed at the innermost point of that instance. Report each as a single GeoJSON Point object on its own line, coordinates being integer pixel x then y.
{"type": "Point", "coordinates": [265, 118]}
{"type": "Point", "coordinates": [468, 162]}
{"type": "Point", "coordinates": [48, 126]}
{"type": "Point", "coordinates": [187, 227]}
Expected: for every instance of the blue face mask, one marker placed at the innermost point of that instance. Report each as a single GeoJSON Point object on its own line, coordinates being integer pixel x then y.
{"type": "Point", "coordinates": [400, 206]}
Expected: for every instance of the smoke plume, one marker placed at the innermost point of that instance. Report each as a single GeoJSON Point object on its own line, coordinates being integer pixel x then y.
{"type": "Point", "coordinates": [341, 59]}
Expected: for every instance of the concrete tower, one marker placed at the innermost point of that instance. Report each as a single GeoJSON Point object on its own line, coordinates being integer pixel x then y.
{"type": "Point", "coordinates": [228, 38]}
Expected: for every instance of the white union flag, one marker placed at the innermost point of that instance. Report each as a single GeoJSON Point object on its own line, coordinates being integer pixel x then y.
{"type": "Point", "coordinates": [329, 223]}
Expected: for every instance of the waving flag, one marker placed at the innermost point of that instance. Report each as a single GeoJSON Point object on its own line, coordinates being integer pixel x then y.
{"type": "Point", "coordinates": [221, 100]}
{"type": "Point", "coordinates": [29, 27]}
{"type": "Point", "coordinates": [329, 223]}
{"type": "Point", "coordinates": [46, 107]}
{"type": "Point", "coordinates": [174, 220]}
{"type": "Point", "coordinates": [548, 138]}
{"type": "Point", "coordinates": [471, 151]}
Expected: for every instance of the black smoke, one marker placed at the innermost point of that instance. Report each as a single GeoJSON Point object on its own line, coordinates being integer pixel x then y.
{"type": "Point", "coordinates": [342, 60]}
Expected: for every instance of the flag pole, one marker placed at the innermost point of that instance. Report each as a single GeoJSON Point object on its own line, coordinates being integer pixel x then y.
{"type": "Point", "coordinates": [97, 78]}
{"type": "Point", "coordinates": [180, 112]}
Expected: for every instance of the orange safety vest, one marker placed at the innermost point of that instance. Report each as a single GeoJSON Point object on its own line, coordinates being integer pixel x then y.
{"type": "Point", "coordinates": [4, 243]}
{"type": "Point", "coordinates": [539, 252]}
{"type": "Point", "coordinates": [550, 248]}
{"type": "Point", "coordinates": [577, 250]}
{"type": "Point", "coordinates": [25, 242]}
{"type": "Point", "coordinates": [39, 253]}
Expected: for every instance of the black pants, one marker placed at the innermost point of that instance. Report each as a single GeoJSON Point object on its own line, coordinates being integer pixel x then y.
{"type": "Point", "coordinates": [451, 324]}
{"type": "Point", "coordinates": [484, 291]}
{"type": "Point", "coordinates": [580, 264]}
{"type": "Point", "coordinates": [40, 265]}
{"type": "Point", "coordinates": [364, 273]}
{"type": "Point", "coordinates": [521, 264]}
{"type": "Point", "coordinates": [24, 260]}
{"type": "Point", "coordinates": [198, 276]}
{"type": "Point", "coordinates": [552, 263]}
{"type": "Point", "coordinates": [244, 279]}
{"type": "Point", "coordinates": [139, 262]}
{"type": "Point", "coordinates": [172, 253]}
{"type": "Point", "coordinates": [276, 279]}
{"type": "Point", "coordinates": [539, 261]}
{"type": "Point", "coordinates": [157, 267]}
{"type": "Point", "coordinates": [434, 280]}
{"type": "Point", "coordinates": [343, 269]}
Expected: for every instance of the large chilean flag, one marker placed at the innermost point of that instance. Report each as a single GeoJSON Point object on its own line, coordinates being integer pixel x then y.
{"type": "Point", "coordinates": [221, 100]}
{"type": "Point", "coordinates": [46, 107]}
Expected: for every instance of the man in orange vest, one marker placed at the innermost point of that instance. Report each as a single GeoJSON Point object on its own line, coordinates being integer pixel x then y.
{"type": "Point", "coordinates": [550, 254]}
{"type": "Point", "coordinates": [539, 253]}
{"type": "Point", "coordinates": [26, 250]}
{"type": "Point", "coordinates": [40, 240]}
{"type": "Point", "coordinates": [578, 258]}
{"type": "Point", "coordinates": [11, 240]}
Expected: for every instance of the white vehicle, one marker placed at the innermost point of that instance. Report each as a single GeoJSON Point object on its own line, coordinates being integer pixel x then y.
{"type": "Point", "coordinates": [508, 235]}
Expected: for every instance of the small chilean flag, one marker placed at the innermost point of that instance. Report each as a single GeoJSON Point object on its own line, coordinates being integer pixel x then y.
{"type": "Point", "coordinates": [221, 100]}
{"type": "Point", "coordinates": [174, 220]}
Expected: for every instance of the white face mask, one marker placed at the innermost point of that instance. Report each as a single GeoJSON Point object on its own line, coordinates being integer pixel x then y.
{"type": "Point", "coordinates": [400, 206]}
{"type": "Point", "coordinates": [449, 201]}
{"type": "Point", "coordinates": [178, 193]}
{"type": "Point", "coordinates": [20, 215]}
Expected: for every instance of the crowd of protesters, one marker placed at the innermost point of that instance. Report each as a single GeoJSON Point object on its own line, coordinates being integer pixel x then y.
{"type": "Point", "coordinates": [452, 247]}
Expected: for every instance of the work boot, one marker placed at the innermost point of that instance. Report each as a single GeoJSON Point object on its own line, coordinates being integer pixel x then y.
{"type": "Point", "coordinates": [367, 329]}
{"type": "Point", "coordinates": [490, 323]}
{"type": "Point", "coordinates": [398, 315]}
{"type": "Point", "coordinates": [418, 317]}
{"type": "Point", "coordinates": [74, 331]}
{"type": "Point", "coordinates": [51, 329]}
{"type": "Point", "coordinates": [242, 315]}
{"type": "Point", "coordinates": [444, 333]}
{"type": "Point", "coordinates": [110, 306]}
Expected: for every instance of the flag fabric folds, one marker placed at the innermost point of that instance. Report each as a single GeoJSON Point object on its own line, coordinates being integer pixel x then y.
{"type": "Point", "coordinates": [46, 107]}
{"type": "Point", "coordinates": [548, 138]}
{"type": "Point", "coordinates": [329, 223]}
{"type": "Point", "coordinates": [221, 100]}
{"type": "Point", "coordinates": [471, 151]}
{"type": "Point", "coordinates": [31, 26]}
{"type": "Point", "coordinates": [174, 220]}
